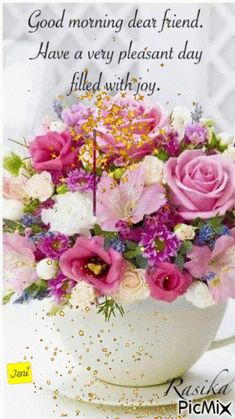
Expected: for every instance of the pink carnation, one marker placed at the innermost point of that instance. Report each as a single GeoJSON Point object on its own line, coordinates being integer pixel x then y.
{"type": "Point", "coordinates": [202, 185]}
{"type": "Point", "coordinates": [13, 188]}
{"type": "Point", "coordinates": [53, 152]}
{"type": "Point", "coordinates": [167, 282]}
{"type": "Point", "coordinates": [88, 261]}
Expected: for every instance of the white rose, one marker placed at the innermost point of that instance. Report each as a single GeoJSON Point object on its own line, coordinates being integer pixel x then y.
{"type": "Point", "coordinates": [71, 214]}
{"type": "Point", "coordinates": [180, 117]}
{"type": "Point", "coordinates": [184, 231]}
{"type": "Point", "coordinates": [12, 209]}
{"type": "Point", "coordinates": [226, 138]}
{"type": "Point", "coordinates": [199, 295]}
{"type": "Point", "coordinates": [47, 268]}
{"type": "Point", "coordinates": [133, 286]}
{"type": "Point", "coordinates": [82, 295]}
{"type": "Point", "coordinates": [230, 153]}
{"type": "Point", "coordinates": [40, 186]}
{"type": "Point", "coordinates": [153, 170]}
{"type": "Point", "coordinates": [57, 126]}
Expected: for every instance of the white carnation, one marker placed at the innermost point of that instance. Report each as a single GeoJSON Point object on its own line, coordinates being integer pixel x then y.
{"type": "Point", "coordinates": [82, 295]}
{"type": "Point", "coordinates": [184, 231]}
{"type": "Point", "coordinates": [47, 268]}
{"type": "Point", "coordinates": [71, 214]}
{"type": "Point", "coordinates": [12, 209]}
{"type": "Point", "coordinates": [180, 117]}
{"type": "Point", "coordinates": [40, 186]}
{"type": "Point", "coordinates": [133, 286]}
{"type": "Point", "coordinates": [199, 295]}
{"type": "Point", "coordinates": [153, 168]}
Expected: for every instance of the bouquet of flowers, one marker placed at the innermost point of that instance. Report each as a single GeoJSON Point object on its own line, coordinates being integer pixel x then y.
{"type": "Point", "coordinates": [118, 201]}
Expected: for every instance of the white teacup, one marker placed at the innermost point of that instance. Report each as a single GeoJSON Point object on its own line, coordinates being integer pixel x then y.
{"type": "Point", "coordinates": [154, 341]}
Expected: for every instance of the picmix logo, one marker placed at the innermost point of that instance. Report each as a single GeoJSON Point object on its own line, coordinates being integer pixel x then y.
{"type": "Point", "coordinates": [215, 407]}
{"type": "Point", "coordinates": [219, 386]}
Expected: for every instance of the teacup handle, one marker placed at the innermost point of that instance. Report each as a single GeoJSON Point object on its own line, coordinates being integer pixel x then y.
{"type": "Point", "coordinates": [222, 342]}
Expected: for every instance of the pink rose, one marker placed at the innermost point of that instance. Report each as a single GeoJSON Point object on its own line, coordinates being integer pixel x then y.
{"type": "Point", "coordinates": [19, 261]}
{"type": "Point", "coordinates": [53, 151]}
{"type": "Point", "coordinates": [14, 187]}
{"type": "Point", "coordinates": [88, 261]}
{"type": "Point", "coordinates": [202, 185]}
{"type": "Point", "coordinates": [167, 282]}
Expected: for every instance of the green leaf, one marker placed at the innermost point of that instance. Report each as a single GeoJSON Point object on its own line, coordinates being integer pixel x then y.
{"type": "Point", "coordinates": [132, 253]}
{"type": "Point", "coordinates": [107, 243]}
{"type": "Point", "coordinates": [179, 260]}
{"type": "Point", "coordinates": [140, 262]}
{"type": "Point", "coordinates": [186, 247]}
{"type": "Point", "coordinates": [13, 164]}
{"type": "Point", "coordinates": [7, 297]}
{"type": "Point", "coordinates": [61, 189]}
{"type": "Point", "coordinates": [10, 226]}
{"type": "Point", "coordinates": [31, 205]}
{"type": "Point", "coordinates": [97, 230]}
{"type": "Point", "coordinates": [131, 245]}
{"type": "Point", "coordinates": [109, 308]}
{"type": "Point", "coordinates": [163, 155]}
{"type": "Point", "coordinates": [216, 224]}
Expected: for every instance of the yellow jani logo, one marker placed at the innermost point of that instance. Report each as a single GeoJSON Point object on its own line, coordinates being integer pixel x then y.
{"type": "Point", "coordinates": [19, 373]}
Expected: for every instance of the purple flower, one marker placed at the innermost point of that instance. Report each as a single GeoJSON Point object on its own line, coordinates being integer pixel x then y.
{"type": "Point", "coordinates": [76, 116]}
{"type": "Point", "coordinates": [54, 246]}
{"type": "Point", "coordinates": [169, 141]}
{"type": "Point", "coordinates": [49, 203]}
{"type": "Point", "coordinates": [127, 233]}
{"type": "Point", "coordinates": [159, 244]}
{"type": "Point", "coordinates": [60, 286]}
{"type": "Point", "coordinates": [79, 179]}
{"type": "Point", "coordinates": [196, 134]}
{"type": "Point", "coordinates": [166, 215]}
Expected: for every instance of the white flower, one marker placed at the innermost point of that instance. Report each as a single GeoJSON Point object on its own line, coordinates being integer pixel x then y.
{"type": "Point", "coordinates": [12, 209]}
{"type": "Point", "coordinates": [184, 231]}
{"type": "Point", "coordinates": [199, 295]}
{"type": "Point", "coordinates": [133, 286]}
{"type": "Point", "coordinates": [226, 138]}
{"type": "Point", "coordinates": [47, 268]}
{"type": "Point", "coordinates": [82, 295]}
{"type": "Point", "coordinates": [40, 186]}
{"type": "Point", "coordinates": [57, 126]}
{"type": "Point", "coordinates": [180, 117]}
{"type": "Point", "coordinates": [71, 214]}
{"type": "Point", "coordinates": [230, 153]}
{"type": "Point", "coordinates": [153, 170]}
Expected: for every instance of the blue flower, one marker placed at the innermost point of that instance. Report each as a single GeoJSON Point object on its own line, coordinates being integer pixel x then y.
{"type": "Point", "coordinates": [209, 276]}
{"type": "Point", "coordinates": [224, 231]}
{"type": "Point", "coordinates": [39, 236]}
{"type": "Point", "coordinates": [42, 294]}
{"type": "Point", "coordinates": [24, 298]}
{"type": "Point", "coordinates": [28, 220]}
{"type": "Point", "coordinates": [205, 234]}
{"type": "Point", "coordinates": [118, 245]}
{"type": "Point", "coordinates": [57, 108]}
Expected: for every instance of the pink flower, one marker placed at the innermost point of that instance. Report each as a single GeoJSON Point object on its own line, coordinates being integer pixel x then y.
{"type": "Point", "coordinates": [88, 261]}
{"type": "Point", "coordinates": [216, 266]}
{"type": "Point", "coordinates": [130, 200]}
{"type": "Point", "coordinates": [167, 282]}
{"type": "Point", "coordinates": [202, 186]}
{"type": "Point", "coordinates": [19, 261]}
{"type": "Point", "coordinates": [53, 151]}
{"type": "Point", "coordinates": [13, 188]}
{"type": "Point", "coordinates": [125, 126]}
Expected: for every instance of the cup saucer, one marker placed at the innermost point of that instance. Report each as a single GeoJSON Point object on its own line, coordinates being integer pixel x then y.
{"type": "Point", "coordinates": [212, 374]}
